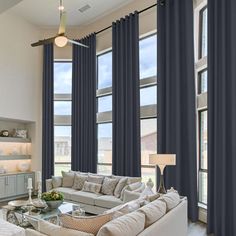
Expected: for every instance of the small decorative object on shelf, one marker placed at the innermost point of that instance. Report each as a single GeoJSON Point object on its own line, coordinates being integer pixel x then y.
{"type": "Point", "coordinates": [78, 211]}
{"type": "Point", "coordinates": [4, 133]}
{"type": "Point", "coordinates": [53, 199]}
{"type": "Point", "coordinates": [20, 133]}
{"type": "Point", "coordinates": [23, 166]}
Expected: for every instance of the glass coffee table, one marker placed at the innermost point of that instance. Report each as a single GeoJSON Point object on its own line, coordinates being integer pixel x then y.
{"type": "Point", "coordinates": [26, 217]}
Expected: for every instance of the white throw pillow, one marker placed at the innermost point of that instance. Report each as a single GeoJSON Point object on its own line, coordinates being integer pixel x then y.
{"type": "Point", "coordinates": [56, 181]}
{"type": "Point", "coordinates": [153, 211]}
{"type": "Point", "coordinates": [91, 187]}
{"type": "Point", "coordinates": [95, 179]}
{"type": "Point", "coordinates": [131, 224]}
{"type": "Point", "coordinates": [67, 179]}
{"type": "Point", "coordinates": [119, 187]}
{"type": "Point", "coordinates": [172, 199]}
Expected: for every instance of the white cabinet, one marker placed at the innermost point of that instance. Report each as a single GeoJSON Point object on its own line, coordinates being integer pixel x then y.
{"type": "Point", "coordinates": [14, 185]}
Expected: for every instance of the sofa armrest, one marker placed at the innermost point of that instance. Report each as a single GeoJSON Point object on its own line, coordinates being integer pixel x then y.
{"type": "Point", "coordinates": [49, 185]}
{"type": "Point", "coordinates": [131, 195]}
{"type": "Point", "coordinates": [31, 232]}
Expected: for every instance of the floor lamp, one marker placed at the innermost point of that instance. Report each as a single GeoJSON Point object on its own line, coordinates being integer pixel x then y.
{"type": "Point", "coordinates": [162, 160]}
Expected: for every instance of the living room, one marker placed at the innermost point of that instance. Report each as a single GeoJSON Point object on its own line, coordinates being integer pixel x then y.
{"type": "Point", "coordinates": [117, 115]}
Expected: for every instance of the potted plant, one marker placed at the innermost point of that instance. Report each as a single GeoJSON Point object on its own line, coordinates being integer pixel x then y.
{"type": "Point", "coordinates": [53, 199]}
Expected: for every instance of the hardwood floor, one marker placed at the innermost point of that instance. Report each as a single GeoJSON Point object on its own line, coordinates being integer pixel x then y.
{"type": "Point", "coordinates": [197, 229]}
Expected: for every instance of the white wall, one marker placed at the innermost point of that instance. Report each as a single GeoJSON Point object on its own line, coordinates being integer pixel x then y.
{"type": "Point", "coordinates": [21, 76]}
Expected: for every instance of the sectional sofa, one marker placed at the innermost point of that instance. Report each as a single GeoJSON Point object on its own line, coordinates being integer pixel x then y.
{"type": "Point", "coordinates": [166, 216]}
{"type": "Point", "coordinates": [96, 193]}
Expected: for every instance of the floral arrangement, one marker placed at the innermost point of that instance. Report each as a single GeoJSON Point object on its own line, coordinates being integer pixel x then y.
{"type": "Point", "coordinates": [52, 196]}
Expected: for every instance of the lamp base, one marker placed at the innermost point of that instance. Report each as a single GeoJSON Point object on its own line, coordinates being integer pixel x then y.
{"type": "Point", "coordinates": [161, 188]}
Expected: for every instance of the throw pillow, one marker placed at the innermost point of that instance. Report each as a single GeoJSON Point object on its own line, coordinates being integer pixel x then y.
{"type": "Point", "coordinates": [108, 186]}
{"type": "Point", "coordinates": [91, 187]}
{"type": "Point", "coordinates": [95, 179]}
{"type": "Point", "coordinates": [56, 230]}
{"type": "Point", "coordinates": [153, 211]}
{"type": "Point", "coordinates": [153, 197]}
{"type": "Point", "coordinates": [90, 224]}
{"type": "Point", "coordinates": [172, 199]}
{"type": "Point", "coordinates": [79, 181]}
{"type": "Point", "coordinates": [67, 179]}
{"type": "Point", "coordinates": [130, 224]}
{"type": "Point", "coordinates": [56, 181]}
{"type": "Point", "coordinates": [119, 187]}
{"type": "Point", "coordinates": [132, 180]}
{"type": "Point", "coordinates": [129, 195]}
{"type": "Point", "coordinates": [130, 187]}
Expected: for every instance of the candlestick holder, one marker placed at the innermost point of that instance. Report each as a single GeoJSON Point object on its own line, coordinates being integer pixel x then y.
{"type": "Point", "coordinates": [39, 184]}
{"type": "Point", "coordinates": [30, 202]}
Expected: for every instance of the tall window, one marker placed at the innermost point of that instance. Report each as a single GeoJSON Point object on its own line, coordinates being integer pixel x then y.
{"type": "Point", "coordinates": [201, 82]}
{"type": "Point", "coordinates": [148, 93]}
{"type": "Point", "coordinates": [104, 112]}
{"type": "Point", "coordinates": [148, 103]}
{"type": "Point", "coordinates": [62, 115]}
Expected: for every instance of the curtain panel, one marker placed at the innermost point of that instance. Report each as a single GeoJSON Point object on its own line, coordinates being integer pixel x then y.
{"type": "Point", "coordinates": [176, 123]}
{"type": "Point", "coordinates": [84, 134]}
{"type": "Point", "coordinates": [48, 115]}
{"type": "Point", "coordinates": [126, 157]}
{"type": "Point", "coordinates": [221, 206]}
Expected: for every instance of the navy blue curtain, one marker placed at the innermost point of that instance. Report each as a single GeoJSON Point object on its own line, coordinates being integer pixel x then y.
{"type": "Point", "coordinates": [126, 158]}
{"type": "Point", "coordinates": [176, 123]}
{"type": "Point", "coordinates": [221, 207]}
{"type": "Point", "coordinates": [48, 115]}
{"type": "Point", "coordinates": [84, 134]}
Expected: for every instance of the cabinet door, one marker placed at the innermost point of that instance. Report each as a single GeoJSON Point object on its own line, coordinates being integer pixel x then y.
{"type": "Point", "coordinates": [2, 187]}
{"type": "Point", "coordinates": [21, 184]}
{"type": "Point", "coordinates": [10, 185]}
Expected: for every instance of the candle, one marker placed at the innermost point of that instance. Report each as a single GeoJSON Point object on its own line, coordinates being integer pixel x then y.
{"type": "Point", "coordinates": [30, 183]}
{"type": "Point", "coordinates": [38, 176]}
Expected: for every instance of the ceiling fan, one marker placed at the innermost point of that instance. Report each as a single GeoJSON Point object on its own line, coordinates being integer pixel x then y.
{"type": "Point", "coordinates": [60, 39]}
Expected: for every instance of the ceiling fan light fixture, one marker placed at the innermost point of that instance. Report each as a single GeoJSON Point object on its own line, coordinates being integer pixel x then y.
{"type": "Point", "coordinates": [61, 41]}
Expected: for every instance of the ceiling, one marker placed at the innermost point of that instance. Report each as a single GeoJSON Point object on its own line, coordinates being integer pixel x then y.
{"type": "Point", "coordinates": [4, 5]}
{"type": "Point", "coordinates": [44, 13]}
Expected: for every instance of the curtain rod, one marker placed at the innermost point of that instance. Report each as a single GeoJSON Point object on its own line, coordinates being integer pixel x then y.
{"type": "Point", "coordinates": [139, 12]}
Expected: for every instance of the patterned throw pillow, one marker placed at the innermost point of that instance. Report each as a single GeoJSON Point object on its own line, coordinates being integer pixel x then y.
{"type": "Point", "coordinates": [79, 181]}
{"type": "Point", "coordinates": [91, 187]}
{"type": "Point", "coordinates": [108, 186]}
{"type": "Point", "coordinates": [119, 187]}
{"type": "Point", "coordinates": [95, 179]}
{"type": "Point", "coordinates": [67, 179]}
{"type": "Point", "coordinates": [89, 224]}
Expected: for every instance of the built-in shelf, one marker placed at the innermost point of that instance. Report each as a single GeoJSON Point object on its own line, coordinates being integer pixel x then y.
{"type": "Point", "coordinates": [14, 157]}
{"type": "Point", "coordinates": [15, 140]}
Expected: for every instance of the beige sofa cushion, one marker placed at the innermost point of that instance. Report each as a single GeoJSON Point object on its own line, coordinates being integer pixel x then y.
{"type": "Point", "coordinates": [153, 211]}
{"type": "Point", "coordinates": [67, 179]}
{"type": "Point", "coordinates": [79, 181]}
{"type": "Point", "coordinates": [91, 187]}
{"type": "Point", "coordinates": [84, 197]}
{"type": "Point", "coordinates": [131, 224]}
{"type": "Point", "coordinates": [172, 199]}
{"type": "Point", "coordinates": [90, 224]}
{"type": "Point", "coordinates": [66, 192]}
{"type": "Point", "coordinates": [55, 230]}
{"type": "Point", "coordinates": [130, 196]}
{"type": "Point", "coordinates": [121, 184]}
{"type": "Point", "coordinates": [107, 201]}
{"type": "Point", "coordinates": [130, 187]}
{"type": "Point", "coordinates": [56, 181]}
{"type": "Point", "coordinates": [108, 186]}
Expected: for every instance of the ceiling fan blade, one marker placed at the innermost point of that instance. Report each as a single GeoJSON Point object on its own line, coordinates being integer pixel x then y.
{"type": "Point", "coordinates": [62, 28]}
{"type": "Point", "coordinates": [43, 42]}
{"type": "Point", "coordinates": [77, 43]}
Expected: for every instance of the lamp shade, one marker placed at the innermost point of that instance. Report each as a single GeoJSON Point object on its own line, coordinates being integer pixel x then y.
{"type": "Point", "coordinates": [61, 41]}
{"type": "Point", "coordinates": [162, 159]}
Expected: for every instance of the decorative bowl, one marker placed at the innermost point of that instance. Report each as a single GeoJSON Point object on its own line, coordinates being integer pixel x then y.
{"type": "Point", "coordinates": [23, 166]}
{"type": "Point", "coordinates": [54, 204]}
